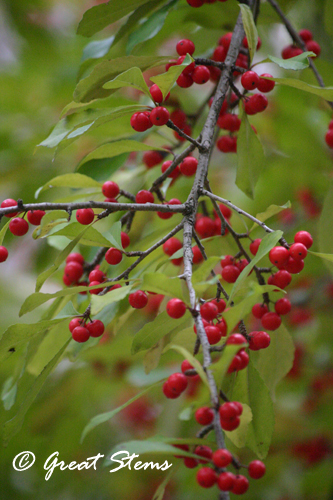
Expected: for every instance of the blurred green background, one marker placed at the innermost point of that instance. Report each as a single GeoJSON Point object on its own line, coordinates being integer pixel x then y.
{"type": "Point", "coordinates": [40, 63]}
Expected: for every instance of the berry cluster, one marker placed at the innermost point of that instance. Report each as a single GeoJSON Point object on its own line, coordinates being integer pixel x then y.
{"type": "Point", "coordinates": [310, 44]}
{"type": "Point", "coordinates": [81, 330]}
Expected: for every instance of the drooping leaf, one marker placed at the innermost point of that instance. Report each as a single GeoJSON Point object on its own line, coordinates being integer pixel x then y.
{"type": "Point", "coordinates": [113, 235]}
{"type": "Point", "coordinates": [163, 284]}
{"type": "Point", "coordinates": [270, 212]}
{"type": "Point", "coordinates": [100, 16]}
{"type": "Point", "coordinates": [249, 28]}
{"type": "Point", "coordinates": [250, 158]}
{"type": "Point", "coordinates": [267, 243]}
{"type": "Point", "coordinates": [14, 425]}
{"type": "Point", "coordinates": [149, 28]}
{"type": "Point", "coordinates": [275, 362]}
{"type": "Point", "coordinates": [249, 388]}
{"type": "Point", "coordinates": [76, 181]}
{"type": "Point", "coordinates": [295, 63]}
{"type": "Point", "coordinates": [325, 93]}
{"type": "Point", "coordinates": [91, 87]}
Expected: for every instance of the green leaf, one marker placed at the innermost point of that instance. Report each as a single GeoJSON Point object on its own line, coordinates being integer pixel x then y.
{"type": "Point", "coordinates": [58, 133]}
{"type": "Point", "coordinates": [154, 331]}
{"type": "Point", "coordinates": [270, 212]}
{"type": "Point", "coordinates": [116, 148]}
{"type": "Point", "coordinates": [99, 302]}
{"type": "Point", "coordinates": [3, 231]}
{"type": "Point", "coordinates": [113, 235]}
{"type": "Point", "coordinates": [49, 221]}
{"type": "Point", "coordinates": [104, 417]}
{"type": "Point", "coordinates": [91, 87]}
{"type": "Point", "coordinates": [100, 16]}
{"type": "Point", "coordinates": [76, 181]}
{"type": "Point", "coordinates": [89, 236]}
{"type": "Point", "coordinates": [267, 243]}
{"type": "Point", "coordinates": [249, 388]}
{"type": "Point", "coordinates": [101, 170]}
{"type": "Point", "coordinates": [239, 436]}
{"type": "Point", "coordinates": [275, 362]}
{"type": "Point", "coordinates": [14, 425]}
{"type": "Point", "coordinates": [325, 256]}
{"type": "Point", "coordinates": [220, 368]}
{"type": "Point", "coordinates": [295, 63]}
{"type": "Point", "coordinates": [163, 284]}
{"type": "Point", "coordinates": [8, 393]}
{"type": "Point", "coordinates": [194, 362]}
{"type": "Point", "coordinates": [250, 29]}
{"type": "Point", "coordinates": [250, 158]}
{"type": "Point", "coordinates": [149, 28]}
{"type": "Point", "coordinates": [131, 78]}
{"type": "Point", "coordinates": [205, 269]}
{"type": "Point", "coordinates": [325, 93]}
{"type": "Point", "coordinates": [97, 49]}
{"type": "Point", "coordinates": [325, 235]}
{"type": "Point", "coordinates": [165, 81]}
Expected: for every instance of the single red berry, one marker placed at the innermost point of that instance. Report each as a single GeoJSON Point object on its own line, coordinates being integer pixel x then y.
{"type": "Point", "coordinates": [144, 196]}
{"type": "Point", "coordinates": [205, 452]}
{"type": "Point", "coordinates": [80, 334]}
{"type": "Point", "coordinates": [110, 189]}
{"type": "Point", "coordinates": [219, 54]}
{"type": "Point", "coordinates": [18, 226]}
{"type": "Point", "coordinates": [209, 311]}
{"type": "Point", "coordinates": [184, 47]}
{"type": "Point", "coordinates": [226, 481]}
{"type": "Point", "coordinates": [282, 306]}
{"type": "Point", "coordinates": [225, 40]}
{"type": "Point", "coordinates": [291, 51]}
{"type": "Point", "coordinates": [201, 75]}
{"type": "Point", "coordinates": [75, 257]}
{"type": "Point", "coordinates": [294, 266]}
{"type": "Point", "coordinates": [125, 239]}
{"type": "Point", "coordinates": [228, 260]}
{"type": "Point", "coordinates": [306, 35]}
{"type": "Point", "coordinates": [241, 485]}
{"type": "Point", "coordinates": [168, 392]}
{"type": "Point", "coordinates": [9, 203]}
{"type": "Point", "coordinates": [254, 246]}
{"type": "Point", "coordinates": [185, 366]}
{"type": "Point", "coordinates": [279, 256]}
{"type": "Point", "coordinates": [220, 304]}
{"type": "Point", "coordinates": [244, 359]}
{"type": "Point", "coordinates": [271, 321]}
{"type": "Point", "coordinates": [140, 122]}
{"type": "Point", "coordinates": [177, 383]}
{"type": "Point", "coordinates": [35, 216]}
{"type": "Point", "coordinates": [176, 308]}
{"type": "Point", "coordinates": [171, 246]}
{"type": "Point", "coordinates": [174, 174]}
{"type": "Point", "coordinates": [305, 238]}
{"type": "Point", "coordinates": [259, 340]}
{"type": "Point", "coordinates": [159, 116]}
{"type": "Point", "coordinates": [96, 291]}
{"type": "Point", "coordinates": [152, 158]}
{"type": "Point", "coordinates": [96, 328]}
{"type": "Point", "coordinates": [184, 447]}
{"type": "Point", "coordinates": [190, 462]}
{"type": "Point", "coordinates": [187, 130]}
{"type": "Point", "coordinates": [205, 227]}
{"type": "Point", "coordinates": [179, 118]}
{"type": "Point", "coordinates": [230, 425]}
{"type": "Point", "coordinates": [206, 477]}
{"type": "Point", "coordinates": [230, 273]}
{"type": "Point", "coordinates": [265, 85]}
{"type": "Point", "coordinates": [313, 46]}
{"type": "Point", "coordinates": [85, 216]}
{"type": "Point", "coordinates": [96, 275]}
{"type": "Point", "coordinates": [328, 139]}
{"type": "Point", "coordinates": [138, 299]}
{"type": "Point", "coordinates": [298, 251]}
{"type": "Point", "coordinates": [197, 255]}
{"type": "Point", "coordinates": [3, 254]}
{"type": "Point", "coordinates": [157, 95]}
{"type": "Point", "coordinates": [184, 81]}
{"type": "Point", "coordinates": [236, 338]}
{"type": "Point", "coordinates": [74, 323]}
{"type": "Point", "coordinates": [258, 310]}
{"type": "Point", "coordinates": [222, 326]}
{"type": "Point", "coordinates": [282, 279]}
{"type": "Point", "coordinates": [226, 211]}
{"type": "Point", "coordinates": [213, 334]}
{"type": "Point", "coordinates": [168, 215]}
{"type": "Point", "coordinates": [188, 166]}
{"type": "Point", "coordinates": [235, 364]}
{"type": "Point", "coordinates": [242, 264]}
{"type": "Point", "coordinates": [250, 80]}
{"type": "Point", "coordinates": [229, 411]}
{"type": "Point", "coordinates": [229, 122]}
{"type": "Point", "coordinates": [204, 415]}
{"type": "Point", "coordinates": [257, 103]}
{"type": "Point", "coordinates": [113, 256]}
{"type": "Point", "coordinates": [227, 144]}
{"type": "Point", "coordinates": [222, 458]}
{"type": "Point", "coordinates": [73, 271]}
{"type": "Point", "coordinates": [256, 469]}
{"type": "Point", "coordinates": [204, 322]}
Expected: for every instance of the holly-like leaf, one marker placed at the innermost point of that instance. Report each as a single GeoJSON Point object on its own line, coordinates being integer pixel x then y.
{"type": "Point", "coordinates": [250, 158]}
{"type": "Point", "coordinates": [249, 28]}
{"type": "Point", "coordinates": [295, 63]}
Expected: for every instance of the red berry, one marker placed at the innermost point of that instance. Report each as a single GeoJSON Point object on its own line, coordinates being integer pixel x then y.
{"type": "Point", "coordinates": [222, 458]}
{"type": "Point", "coordinates": [254, 246]}
{"type": "Point", "coordinates": [9, 203]}
{"type": "Point", "coordinates": [184, 47]}
{"type": "Point", "coordinates": [244, 359]}
{"type": "Point", "coordinates": [113, 256]}
{"type": "Point", "coordinates": [229, 122]}
{"type": "Point", "coordinates": [206, 477]}
{"type": "Point", "coordinates": [313, 46]}
{"type": "Point", "coordinates": [96, 291]}
{"type": "Point", "coordinates": [246, 45]}
{"type": "Point", "coordinates": [186, 365]}
{"type": "Point", "coordinates": [35, 216]}
{"type": "Point", "coordinates": [229, 411]}
{"type": "Point", "coordinates": [250, 80]}
{"type": "Point", "coordinates": [159, 116]}
{"type": "Point", "coordinates": [138, 299]}
{"type": "Point", "coordinates": [257, 103]}
{"type": "Point", "coordinates": [204, 415]}
{"type": "Point", "coordinates": [220, 304]}
{"type": "Point", "coordinates": [236, 338]}
{"type": "Point", "coordinates": [306, 35]}
{"type": "Point", "coordinates": [188, 166]}
{"type": "Point", "coordinates": [171, 246]}
{"type": "Point", "coordinates": [74, 323]}
{"type": "Point", "coordinates": [279, 256]}
{"type": "Point", "coordinates": [201, 75]}
{"type": "Point", "coordinates": [222, 326]}
{"type": "Point", "coordinates": [174, 174]}
{"type": "Point", "coordinates": [265, 85]}
{"type": "Point", "coordinates": [226, 211]}
{"type": "Point", "coordinates": [242, 264]}
{"type": "Point", "coordinates": [230, 425]}
{"type": "Point", "coordinates": [328, 139]}
{"type": "Point", "coordinates": [168, 392]}
{"type": "Point", "coordinates": [96, 328]}
{"type": "Point", "coordinates": [140, 122]}
{"type": "Point", "coordinates": [18, 226]}
{"type": "Point", "coordinates": [209, 311]}
{"type": "Point", "coordinates": [73, 271]}
{"type": "Point", "coordinates": [271, 321]}
{"type": "Point", "coordinates": [187, 130]}
{"type": "Point", "coordinates": [195, 3]}
{"type": "Point", "coordinates": [282, 279]}
{"type": "Point", "coordinates": [205, 227]}
{"type": "Point", "coordinates": [190, 463]}
{"type": "Point", "coordinates": [227, 261]}
{"type": "Point", "coordinates": [184, 447]}
{"type": "Point", "coordinates": [110, 189]}
{"type": "Point", "coordinates": [259, 340]}
{"type": "Point", "coordinates": [219, 54]}
{"type": "Point", "coordinates": [298, 251]}
{"type": "Point", "coordinates": [184, 81]}
{"type": "Point", "coordinates": [197, 255]}
{"type": "Point", "coordinates": [282, 306]}
{"type": "Point", "coordinates": [230, 274]}
{"type": "Point", "coordinates": [256, 469]}
{"type": "Point", "coordinates": [125, 239]}
{"type": "Point", "coordinates": [168, 215]}
{"type": "Point", "coordinates": [157, 95]}
{"type": "Point", "coordinates": [205, 452]}
{"type": "Point", "coordinates": [75, 257]}
{"type": "Point", "coordinates": [226, 481]}
{"type": "Point", "coordinates": [305, 238]}
{"type": "Point", "coordinates": [225, 40]}
{"type": "Point", "coordinates": [241, 485]}
{"type": "Point", "coordinates": [144, 196]}
{"type": "Point", "coordinates": [213, 334]}
{"type": "Point", "coordinates": [179, 118]}
{"type": "Point", "coordinates": [80, 334]}
{"type": "Point", "coordinates": [3, 254]}
{"type": "Point", "coordinates": [177, 383]}
{"type": "Point", "coordinates": [294, 266]}
{"type": "Point", "coordinates": [291, 51]}
{"type": "Point", "coordinates": [152, 158]}
{"type": "Point", "coordinates": [258, 310]}
{"type": "Point", "coordinates": [176, 308]}
{"type": "Point", "coordinates": [227, 144]}
{"type": "Point", "coordinates": [85, 216]}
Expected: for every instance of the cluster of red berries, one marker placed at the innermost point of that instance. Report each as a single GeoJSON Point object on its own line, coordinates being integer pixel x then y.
{"type": "Point", "coordinates": [207, 227]}
{"type": "Point", "coordinates": [81, 330]}
{"type": "Point", "coordinates": [311, 46]}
